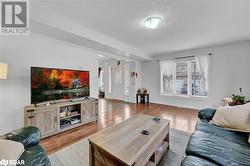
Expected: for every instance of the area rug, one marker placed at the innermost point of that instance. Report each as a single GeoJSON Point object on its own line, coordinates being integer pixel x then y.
{"type": "Point", "coordinates": [77, 154]}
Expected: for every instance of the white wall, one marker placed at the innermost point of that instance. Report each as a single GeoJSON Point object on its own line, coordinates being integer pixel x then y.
{"type": "Point", "coordinates": [230, 69]}
{"type": "Point", "coordinates": [22, 52]}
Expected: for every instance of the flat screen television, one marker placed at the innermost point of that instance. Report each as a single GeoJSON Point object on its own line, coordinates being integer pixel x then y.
{"type": "Point", "coordinates": [54, 84]}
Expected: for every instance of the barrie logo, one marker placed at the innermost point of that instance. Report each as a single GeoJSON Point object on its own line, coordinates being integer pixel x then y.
{"type": "Point", "coordinates": [4, 162]}
{"type": "Point", "coordinates": [14, 19]}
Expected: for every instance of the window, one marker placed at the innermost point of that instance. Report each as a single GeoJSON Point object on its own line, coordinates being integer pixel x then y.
{"type": "Point", "coordinates": [187, 77]}
{"type": "Point", "coordinates": [181, 83]}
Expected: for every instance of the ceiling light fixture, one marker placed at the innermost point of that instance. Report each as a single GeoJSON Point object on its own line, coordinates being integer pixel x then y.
{"type": "Point", "coordinates": [101, 56]}
{"type": "Point", "coordinates": [152, 22]}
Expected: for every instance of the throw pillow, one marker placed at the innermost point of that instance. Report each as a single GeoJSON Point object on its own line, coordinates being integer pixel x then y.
{"type": "Point", "coordinates": [235, 117]}
{"type": "Point", "coordinates": [10, 150]}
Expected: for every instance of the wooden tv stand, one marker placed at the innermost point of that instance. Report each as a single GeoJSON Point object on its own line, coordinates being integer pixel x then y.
{"type": "Point", "coordinates": [61, 116]}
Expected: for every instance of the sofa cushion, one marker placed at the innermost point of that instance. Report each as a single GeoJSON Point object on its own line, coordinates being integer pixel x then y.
{"type": "Point", "coordinates": [233, 136]}
{"type": "Point", "coordinates": [236, 118]}
{"type": "Point", "coordinates": [196, 161]}
{"type": "Point", "coordinates": [217, 149]}
{"type": "Point", "coordinates": [10, 150]}
{"type": "Point", "coordinates": [206, 114]}
{"type": "Point", "coordinates": [28, 136]}
{"type": "Point", "coordinates": [35, 155]}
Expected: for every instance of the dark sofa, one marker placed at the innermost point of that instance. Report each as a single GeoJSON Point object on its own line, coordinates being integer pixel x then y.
{"type": "Point", "coordinates": [211, 145]}
{"type": "Point", "coordinates": [34, 155]}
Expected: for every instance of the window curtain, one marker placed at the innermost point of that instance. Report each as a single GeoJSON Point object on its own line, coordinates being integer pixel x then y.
{"type": "Point", "coordinates": [99, 71]}
{"type": "Point", "coordinates": [167, 76]}
{"type": "Point", "coordinates": [203, 67]}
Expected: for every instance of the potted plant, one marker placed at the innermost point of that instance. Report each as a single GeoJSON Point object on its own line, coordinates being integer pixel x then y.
{"type": "Point", "coordinates": [144, 91]}
{"type": "Point", "coordinates": [239, 99]}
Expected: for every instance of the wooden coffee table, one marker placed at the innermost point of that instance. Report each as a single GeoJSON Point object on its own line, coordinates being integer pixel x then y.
{"type": "Point", "coordinates": [125, 145]}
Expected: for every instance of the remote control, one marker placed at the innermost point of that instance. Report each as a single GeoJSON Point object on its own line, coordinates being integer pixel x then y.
{"type": "Point", "coordinates": [156, 119]}
{"type": "Point", "coordinates": [145, 132]}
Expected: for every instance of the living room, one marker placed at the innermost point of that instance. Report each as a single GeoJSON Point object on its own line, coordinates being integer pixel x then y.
{"type": "Point", "coordinates": [91, 82]}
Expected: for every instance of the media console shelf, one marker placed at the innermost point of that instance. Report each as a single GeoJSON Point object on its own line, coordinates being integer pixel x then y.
{"type": "Point", "coordinates": [61, 116]}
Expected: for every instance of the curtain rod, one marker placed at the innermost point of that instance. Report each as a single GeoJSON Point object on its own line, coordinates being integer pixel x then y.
{"type": "Point", "coordinates": [184, 57]}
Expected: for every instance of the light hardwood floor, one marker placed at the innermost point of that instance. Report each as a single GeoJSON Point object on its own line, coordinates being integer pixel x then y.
{"type": "Point", "coordinates": [112, 112]}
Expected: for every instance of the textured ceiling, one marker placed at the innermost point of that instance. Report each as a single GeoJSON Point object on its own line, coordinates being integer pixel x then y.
{"type": "Point", "coordinates": [188, 23]}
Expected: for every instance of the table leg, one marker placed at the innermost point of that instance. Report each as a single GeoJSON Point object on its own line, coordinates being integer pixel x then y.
{"type": "Point", "coordinates": [168, 140]}
{"type": "Point", "coordinates": [91, 155]}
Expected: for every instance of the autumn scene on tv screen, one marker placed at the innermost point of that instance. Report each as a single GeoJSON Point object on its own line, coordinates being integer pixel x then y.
{"type": "Point", "coordinates": [55, 84]}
